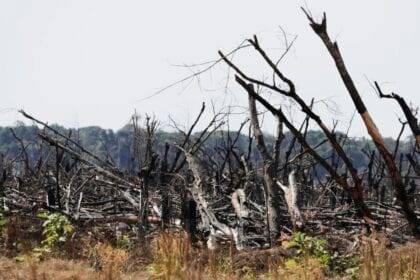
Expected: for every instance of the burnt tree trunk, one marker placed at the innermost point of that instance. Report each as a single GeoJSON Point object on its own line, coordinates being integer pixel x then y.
{"type": "Point", "coordinates": [321, 30]}
{"type": "Point", "coordinates": [411, 119]}
{"type": "Point", "coordinates": [189, 215]}
{"type": "Point", "coordinates": [271, 189]}
{"type": "Point", "coordinates": [363, 210]}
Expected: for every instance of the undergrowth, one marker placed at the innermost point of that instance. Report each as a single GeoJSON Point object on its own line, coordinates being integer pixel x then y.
{"type": "Point", "coordinates": [57, 230]}
{"type": "Point", "coordinates": [173, 256]}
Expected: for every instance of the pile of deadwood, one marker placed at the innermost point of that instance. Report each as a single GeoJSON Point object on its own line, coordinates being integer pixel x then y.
{"type": "Point", "coordinates": [92, 192]}
{"type": "Point", "coordinates": [222, 191]}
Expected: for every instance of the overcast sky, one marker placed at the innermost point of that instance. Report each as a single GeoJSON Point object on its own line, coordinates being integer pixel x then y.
{"type": "Point", "coordinates": [91, 62]}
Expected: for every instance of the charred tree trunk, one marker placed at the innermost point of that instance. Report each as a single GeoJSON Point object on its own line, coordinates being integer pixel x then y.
{"type": "Point", "coordinates": [355, 194]}
{"type": "Point", "coordinates": [355, 188]}
{"type": "Point", "coordinates": [273, 197]}
{"type": "Point", "coordinates": [189, 215]}
{"type": "Point", "coordinates": [166, 201]}
{"type": "Point", "coordinates": [411, 118]}
{"type": "Point", "coordinates": [321, 30]}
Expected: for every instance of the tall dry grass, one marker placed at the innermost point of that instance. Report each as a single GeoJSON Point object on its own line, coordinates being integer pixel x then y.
{"type": "Point", "coordinates": [175, 258]}
{"type": "Point", "coordinates": [172, 257]}
{"type": "Point", "coordinates": [381, 263]}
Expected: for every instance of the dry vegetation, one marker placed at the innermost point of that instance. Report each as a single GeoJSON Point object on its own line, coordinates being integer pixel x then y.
{"type": "Point", "coordinates": [186, 210]}
{"type": "Point", "coordinates": [172, 256]}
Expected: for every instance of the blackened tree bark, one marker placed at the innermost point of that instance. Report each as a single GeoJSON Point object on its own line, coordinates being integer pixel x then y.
{"type": "Point", "coordinates": [273, 198]}
{"type": "Point", "coordinates": [166, 200]}
{"type": "Point", "coordinates": [321, 30]}
{"type": "Point", "coordinates": [189, 215]}
{"type": "Point", "coordinates": [356, 189]}
{"type": "Point", "coordinates": [358, 200]}
{"type": "Point", "coordinates": [411, 118]}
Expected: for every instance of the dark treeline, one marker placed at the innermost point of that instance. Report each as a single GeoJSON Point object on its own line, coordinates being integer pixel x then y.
{"type": "Point", "coordinates": [117, 146]}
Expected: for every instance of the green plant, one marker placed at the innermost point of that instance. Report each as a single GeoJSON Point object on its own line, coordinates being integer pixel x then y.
{"type": "Point", "coordinates": [307, 246]}
{"type": "Point", "coordinates": [348, 265]}
{"type": "Point", "coordinates": [57, 230]}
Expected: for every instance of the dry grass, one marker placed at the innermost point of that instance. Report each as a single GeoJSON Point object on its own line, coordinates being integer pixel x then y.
{"type": "Point", "coordinates": [49, 269]}
{"type": "Point", "coordinates": [381, 263]}
{"type": "Point", "coordinates": [57, 269]}
{"type": "Point", "coordinates": [171, 256]}
{"type": "Point", "coordinates": [111, 261]}
{"type": "Point", "coordinates": [175, 258]}
{"type": "Point", "coordinates": [305, 269]}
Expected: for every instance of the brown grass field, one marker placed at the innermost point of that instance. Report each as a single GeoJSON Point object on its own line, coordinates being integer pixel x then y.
{"type": "Point", "coordinates": [171, 256]}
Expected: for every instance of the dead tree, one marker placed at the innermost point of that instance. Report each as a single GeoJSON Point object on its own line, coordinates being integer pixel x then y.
{"type": "Point", "coordinates": [27, 169]}
{"type": "Point", "coordinates": [321, 30]}
{"type": "Point", "coordinates": [356, 189]}
{"type": "Point", "coordinates": [208, 217]}
{"type": "Point", "coordinates": [409, 115]}
{"type": "Point", "coordinates": [165, 188]}
{"type": "Point", "coordinates": [360, 205]}
{"type": "Point", "coordinates": [291, 92]}
{"type": "Point", "coordinates": [291, 196]}
{"type": "Point", "coordinates": [273, 199]}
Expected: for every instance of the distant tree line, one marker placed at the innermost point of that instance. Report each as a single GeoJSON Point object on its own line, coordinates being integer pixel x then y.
{"type": "Point", "coordinates": [117, 146]}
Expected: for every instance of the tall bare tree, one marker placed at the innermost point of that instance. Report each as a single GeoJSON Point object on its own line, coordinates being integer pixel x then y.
{"type": "Point", "coordinates": [321, 30]}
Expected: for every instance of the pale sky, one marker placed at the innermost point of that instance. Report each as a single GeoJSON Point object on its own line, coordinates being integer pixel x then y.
{"type": "Point", "coordinates": [91, 62]}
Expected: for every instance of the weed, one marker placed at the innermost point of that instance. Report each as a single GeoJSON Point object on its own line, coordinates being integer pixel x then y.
{"type": "Point", "coordinates": [307, 246]}
{"type": "Point", "coordinates": [57, 230]}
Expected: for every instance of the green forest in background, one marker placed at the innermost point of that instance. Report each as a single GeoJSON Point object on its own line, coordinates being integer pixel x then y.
{"type": "Point", "coordinates": [117, 146]}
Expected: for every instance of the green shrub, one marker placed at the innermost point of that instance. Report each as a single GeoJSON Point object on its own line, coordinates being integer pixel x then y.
{"type": "Point", "coordinates": [57, 230]}
{"type": "Point", "coordinates": [307, 246]}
